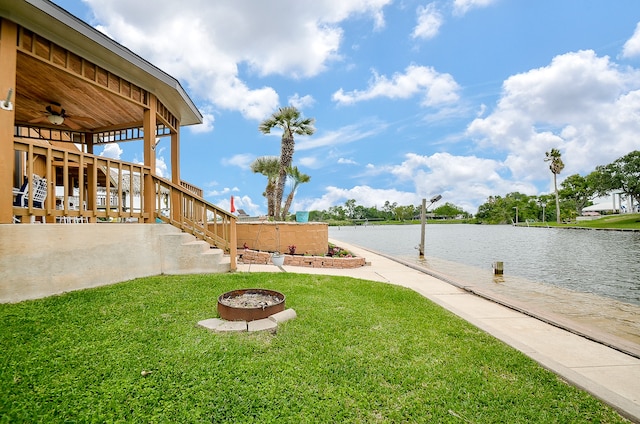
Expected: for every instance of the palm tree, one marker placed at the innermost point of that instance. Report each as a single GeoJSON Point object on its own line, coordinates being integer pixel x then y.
{"type": "Point", "coordinates": [268, 166]}
{"type": "Point", "coordinates": [288, 119]}
{"type": "Point", "coordinates": [556, 166]}
{"type": "Point", "coordinates": [298, 178]}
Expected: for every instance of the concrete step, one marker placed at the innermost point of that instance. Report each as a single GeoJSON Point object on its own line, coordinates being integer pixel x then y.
{"type": "Point", "coordinates": [225, 263]}
{"type": "Point", "coordinates": [182, 253]}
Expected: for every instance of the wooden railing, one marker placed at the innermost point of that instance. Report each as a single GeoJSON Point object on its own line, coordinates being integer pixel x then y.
{"type": "Point", "coordinates": [193, 215]}
{"type": "Point", "coordinates": [86, 188]}
{"type": "Point", "coordinates": [193, 189]}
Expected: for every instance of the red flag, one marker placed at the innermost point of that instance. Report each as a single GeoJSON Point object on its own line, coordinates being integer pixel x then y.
{"type": "Point", "coordinates": [233, 208]}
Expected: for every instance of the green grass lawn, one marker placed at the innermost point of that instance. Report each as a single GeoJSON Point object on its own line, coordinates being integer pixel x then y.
{"type": "Point", "coordinates": [359, 351]}
{"type": "Point", "coordinates": [625, 221]}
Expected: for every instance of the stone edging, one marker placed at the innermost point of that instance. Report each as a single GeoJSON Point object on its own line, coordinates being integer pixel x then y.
{"type": "Point", "coordinates": [263, 258]}
{"type": "Point", "coordinates": [267, 324]}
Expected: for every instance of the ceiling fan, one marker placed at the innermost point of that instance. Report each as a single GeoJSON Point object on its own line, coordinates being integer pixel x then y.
{"type": "Point", "coordinates": [56, 115]}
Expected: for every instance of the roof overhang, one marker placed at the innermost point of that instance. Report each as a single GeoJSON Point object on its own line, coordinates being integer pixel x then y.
{"type": "Point", "coordinates": [59, 26]}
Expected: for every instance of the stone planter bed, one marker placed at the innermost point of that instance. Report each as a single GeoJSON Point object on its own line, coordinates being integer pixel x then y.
{"type": "Point", "coordinates": [249, 256]}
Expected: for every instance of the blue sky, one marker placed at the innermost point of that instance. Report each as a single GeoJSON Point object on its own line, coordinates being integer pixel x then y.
{"type": "Point", "coordinates": [411, 98]}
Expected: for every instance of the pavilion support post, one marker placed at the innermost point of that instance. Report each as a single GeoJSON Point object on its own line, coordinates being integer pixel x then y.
{"type": "Point", "coordinates": [149, 128]}
{"type": "Point", "coordinates": [92, 179]}
{"type": "Point", "coordinates": [88, 139]}
{"type": "Point", "coordinates": [92, 189]}
{"type": "Point", "coordinates": [8, 55]}
{"type": "Point", "coordinates": [175, 175]}
{"type": "Point", "coordinates": [175, 156]}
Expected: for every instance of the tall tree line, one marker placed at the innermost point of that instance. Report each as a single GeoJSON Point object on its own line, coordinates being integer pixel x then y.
{"type": "Point", "coordinates": [574, 194]}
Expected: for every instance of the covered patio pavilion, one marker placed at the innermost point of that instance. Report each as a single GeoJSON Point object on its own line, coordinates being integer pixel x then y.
{"type": "Point", "coordinates": [65, 89]}
{"type": "Point", "coordinates": [74, 87]}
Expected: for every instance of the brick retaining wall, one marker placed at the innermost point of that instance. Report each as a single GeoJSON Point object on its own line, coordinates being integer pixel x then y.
{"type": "Point", "coordinates": [255, 257]}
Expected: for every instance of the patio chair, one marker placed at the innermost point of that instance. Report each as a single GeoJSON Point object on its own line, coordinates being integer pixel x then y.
{"type": "Point", "coordinates": [74, 219]}
{"type": "Point", "coordinates": [39, 193]}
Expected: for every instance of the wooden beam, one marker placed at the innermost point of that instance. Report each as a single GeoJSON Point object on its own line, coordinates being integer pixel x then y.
{"type": "Point", "coordinates": [48, 52]}
{"type": "Point", "coordinates": [8, 60]}
{"type": "Point", "coordinates": [166, 117]}
{"type": "Point", "coordinates": [149, 127]}
{"type": "Point", "coordinates": [175, 158]}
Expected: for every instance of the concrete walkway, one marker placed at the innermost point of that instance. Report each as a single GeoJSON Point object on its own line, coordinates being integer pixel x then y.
{"type": "Point", "coordinates": [606, 373]}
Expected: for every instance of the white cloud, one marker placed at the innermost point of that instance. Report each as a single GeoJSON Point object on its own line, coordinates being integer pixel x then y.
{"type": "Point", "coordinates": [301, 102]}
{"type": "Point", "coordinates": [225, 190]}
{"type": "Point", "coordinates": [436, 88]}
{"type": "Point", "coordinates": [242, 160]}
{"type": "Point", "coordinates": [341, 136]}
{"type": "Point", "coordinates": [246, 203]}
{"type": "Point", "coordinates": [460, 7]}
{"type": "Point", "coordinates": [429, 22]}
{"type": "Point", "coordinates": [111, 150]}
{"type": "Point", "coordinates": [580, 103]}
{"type": "Point", "coordinates": [632, 47]}
{"type": "Point", "coordinates": [466, 181]}
{"type": "Point", "coordinates": [240, 202]}
{"type": "Point", "coordinates": [308, 161]}
{"type": "Point", "coordinates": [345, 161]}
{"type": "Point", "coordinates": [207, 124]}
{"type": "Point", "coordinates": [364, 195]}
{"type": "Point", "coordinates": [162, 169]}
{"type": "Point", "coordinates": [206, 43]}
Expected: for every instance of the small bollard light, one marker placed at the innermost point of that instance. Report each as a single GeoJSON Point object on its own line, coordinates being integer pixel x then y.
{"type": "Point", "coordinates": [498, 268]}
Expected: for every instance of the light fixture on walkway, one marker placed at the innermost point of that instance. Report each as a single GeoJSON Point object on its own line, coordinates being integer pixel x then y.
{"type": "Point", "coordinates": [423, 220]}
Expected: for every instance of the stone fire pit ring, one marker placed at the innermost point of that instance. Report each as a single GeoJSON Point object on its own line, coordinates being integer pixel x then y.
{"type": "Point", "coordinates": [250, 304]}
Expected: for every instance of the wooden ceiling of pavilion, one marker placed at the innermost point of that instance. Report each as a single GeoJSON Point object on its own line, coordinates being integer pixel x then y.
{"type": "Point", "coordinates": [91, 99]}
{"type": "Point", "coordinates": [88, 107]}
{"type": "Point", "coordinates": [103, 87]}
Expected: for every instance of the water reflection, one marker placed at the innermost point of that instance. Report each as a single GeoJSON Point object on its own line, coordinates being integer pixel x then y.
{"type": "Point", "coordinates": [591, 277]}
{"type": "Point", "coordinates": [497, 279]}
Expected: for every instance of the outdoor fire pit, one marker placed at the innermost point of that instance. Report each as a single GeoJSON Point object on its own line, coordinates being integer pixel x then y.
{"type": "Point", "coordinates": [249, 304]}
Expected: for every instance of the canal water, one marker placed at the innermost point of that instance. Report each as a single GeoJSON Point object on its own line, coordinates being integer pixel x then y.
{"type": "Point", "coordinates": [591, 277]}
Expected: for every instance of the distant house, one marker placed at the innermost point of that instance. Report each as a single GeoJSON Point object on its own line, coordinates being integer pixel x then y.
{"type": "Point", "coordinates": [66, 89]}
{"type": "Point", "coordinates": [600, 208]}
{"type": "Point", "coordinates": [615, 203]}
